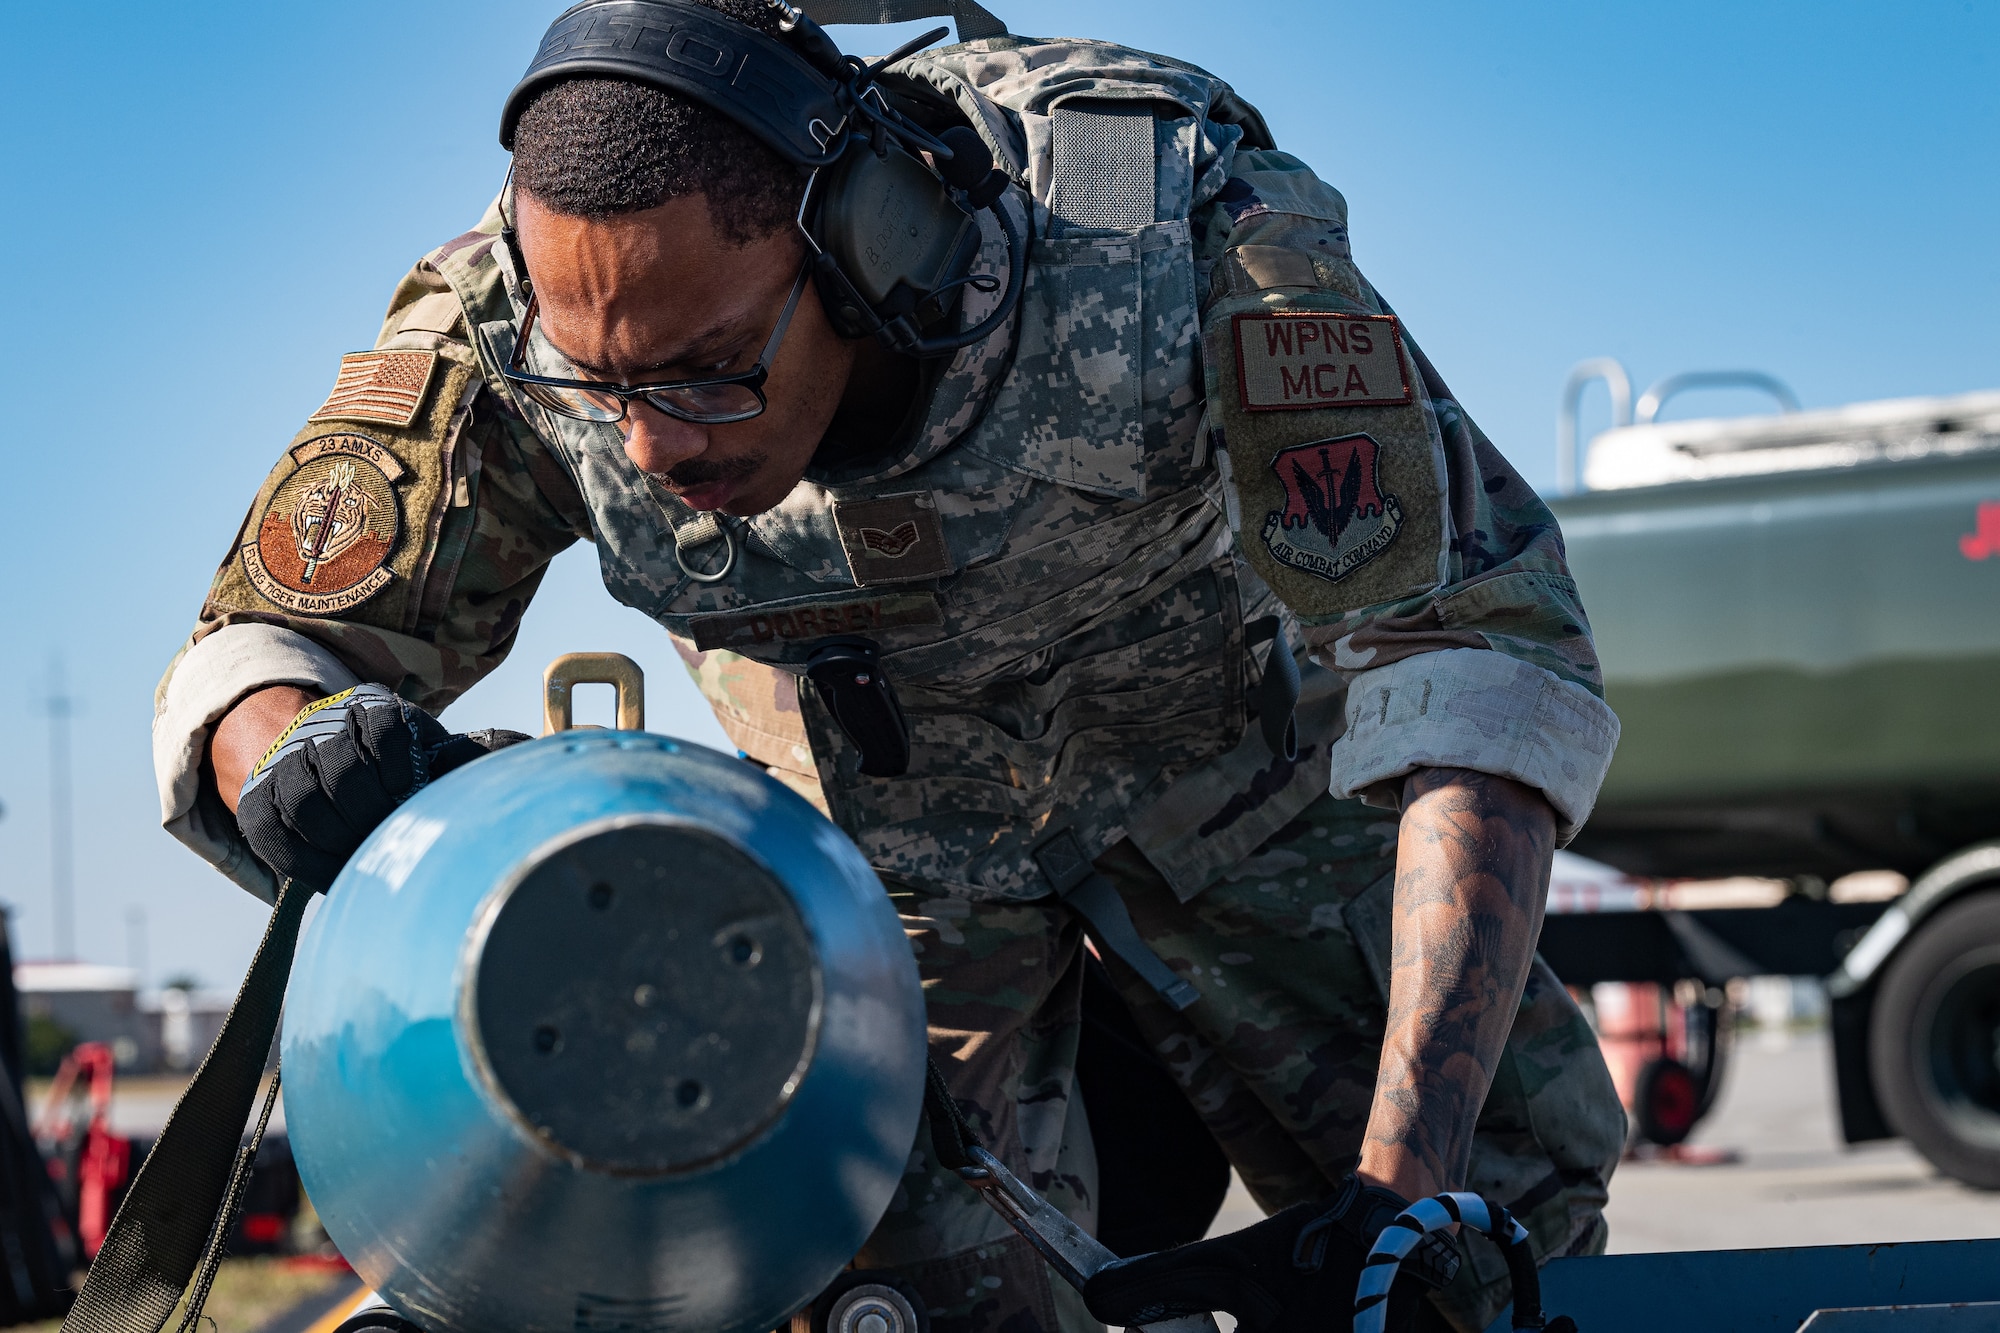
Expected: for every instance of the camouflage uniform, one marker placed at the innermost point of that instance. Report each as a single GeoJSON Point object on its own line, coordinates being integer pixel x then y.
{"type": "Point", "coordinates": [1060, 561]}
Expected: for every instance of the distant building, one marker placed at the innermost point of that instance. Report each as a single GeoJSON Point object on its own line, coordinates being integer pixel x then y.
{"type": "Point", "coordinates": [91, 1002]}
{"type": "Point", "coordinates": [164, 1030]}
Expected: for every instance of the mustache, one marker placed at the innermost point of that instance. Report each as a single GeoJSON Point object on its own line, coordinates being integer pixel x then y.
{"type": "Point", "coordinates": [704, 472]}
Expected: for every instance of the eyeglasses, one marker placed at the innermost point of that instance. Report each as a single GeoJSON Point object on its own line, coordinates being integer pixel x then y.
{"type": "Point", "coordinates": [705, 402]}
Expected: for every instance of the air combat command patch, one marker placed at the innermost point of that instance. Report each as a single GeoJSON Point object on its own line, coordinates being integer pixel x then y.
{"type": "Point", "coordinates": [1336, 517]}
{"type": "Point", "coordinates": [323, 543]}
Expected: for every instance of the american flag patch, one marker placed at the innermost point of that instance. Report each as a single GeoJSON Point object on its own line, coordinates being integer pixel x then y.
{"type": "Point", "coordinates": [385, 387]}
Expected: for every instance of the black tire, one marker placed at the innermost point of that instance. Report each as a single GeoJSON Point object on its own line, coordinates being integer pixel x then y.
{"type": "Point", "coordinates": [1667, 1103]}
{"type": "Point", "coordinates": [1934, 1040]}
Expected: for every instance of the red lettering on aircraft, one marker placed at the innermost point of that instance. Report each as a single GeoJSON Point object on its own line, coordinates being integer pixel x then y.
{"type": "Point", "coordinates": [1984, 540]}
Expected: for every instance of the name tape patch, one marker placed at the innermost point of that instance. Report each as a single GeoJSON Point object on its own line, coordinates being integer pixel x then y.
{"type": "Point", "coordinates": [739, 630]}
{"type": "Point", "coordinates": [1309, 359]}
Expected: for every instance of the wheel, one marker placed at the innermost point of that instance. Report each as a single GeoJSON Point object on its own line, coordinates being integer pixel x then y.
{"type": "Point", "coordinates": [1667, 1102]}
{"type": "Point", "coordinates": [1934, 1041]}
{"type": "Point", "coordinates": [376, 1319]}
{"type": "Point", "coordinates": [866, 1300]}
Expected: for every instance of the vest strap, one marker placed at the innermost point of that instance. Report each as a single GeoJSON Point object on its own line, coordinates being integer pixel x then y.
{"type": "Point", "coordinates": [1096, 900]}
{"type": "Point", "coordinates": [703, 530]}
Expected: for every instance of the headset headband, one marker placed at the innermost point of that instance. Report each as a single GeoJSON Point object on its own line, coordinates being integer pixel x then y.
{"type": "Point", "coordinates": [817, 109]}
{"type": "Point", "coordinates": [755, 80]}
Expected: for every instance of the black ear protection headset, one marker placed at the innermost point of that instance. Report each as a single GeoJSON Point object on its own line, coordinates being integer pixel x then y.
{"type": "Point", "coordinates": [893, 239]}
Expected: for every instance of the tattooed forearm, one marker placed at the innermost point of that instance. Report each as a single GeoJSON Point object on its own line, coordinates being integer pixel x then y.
{"type": "Point", "coordinates": [1472, 871]}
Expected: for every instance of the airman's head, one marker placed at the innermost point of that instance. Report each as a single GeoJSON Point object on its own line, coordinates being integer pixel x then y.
{"type": "Point", "coordinates": [660, 240]}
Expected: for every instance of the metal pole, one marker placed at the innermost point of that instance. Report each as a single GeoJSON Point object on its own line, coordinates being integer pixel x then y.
{"type": "Point", "coordinates": [62, 849]}
{"type": "Point", "coordinates": [135, 942]}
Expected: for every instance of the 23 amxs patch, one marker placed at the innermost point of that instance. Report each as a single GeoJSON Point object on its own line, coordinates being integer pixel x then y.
{"type": "Point", "coordinates": [323, 542]}
{"type": "Point", "coordinates": [345, 526]}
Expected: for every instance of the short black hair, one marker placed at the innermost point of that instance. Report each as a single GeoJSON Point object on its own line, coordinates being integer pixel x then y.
{"type": "Point", "coordinates": [597, 146]}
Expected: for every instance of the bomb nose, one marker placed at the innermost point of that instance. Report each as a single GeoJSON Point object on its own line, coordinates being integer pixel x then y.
{"type": "Point", "coordinates": [645, 999]}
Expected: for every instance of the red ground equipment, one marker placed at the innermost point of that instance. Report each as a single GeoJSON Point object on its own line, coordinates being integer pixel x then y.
{"type": "Point", "coordinates": [91, 1166]}
{"type": "Point", "coordinates": [88, 1163]}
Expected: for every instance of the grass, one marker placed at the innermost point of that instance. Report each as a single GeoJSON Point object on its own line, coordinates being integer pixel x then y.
{"type": "Point", "coordinates": [247, 1293]}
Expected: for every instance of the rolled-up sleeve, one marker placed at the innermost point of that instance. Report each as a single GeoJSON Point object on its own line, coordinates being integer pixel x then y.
{"type": "Point", "coordinates": [1495, 671]}
{"type": "Point", "coordinates": [1480, 710]}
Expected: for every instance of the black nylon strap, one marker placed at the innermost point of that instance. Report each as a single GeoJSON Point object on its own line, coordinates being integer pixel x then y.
{"type": "Point", "coordinates": [950, 1135]}
{"type": "Point", "coordinates": [1093, 897]}
{"type": "Point", "coordinates": [1278, 692]}
{"type": "Point", "coordinates": [169, 1214]}
{"type": "Point", "coordinates": [1096, 900]}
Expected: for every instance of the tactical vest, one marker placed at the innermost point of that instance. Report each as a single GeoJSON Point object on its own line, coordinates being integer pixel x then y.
{"type": "Point", "coordinates": [1046, 565]}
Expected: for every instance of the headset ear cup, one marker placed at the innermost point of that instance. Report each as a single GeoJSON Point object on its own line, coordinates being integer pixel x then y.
{"type": "Point", "coordinates": [892, 240]}
{"type": "Point", "coordinates": [845, 310]}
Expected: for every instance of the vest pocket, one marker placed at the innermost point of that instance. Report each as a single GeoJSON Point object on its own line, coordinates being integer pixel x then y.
{"type": "Point", "coordinates": [1069, 412]}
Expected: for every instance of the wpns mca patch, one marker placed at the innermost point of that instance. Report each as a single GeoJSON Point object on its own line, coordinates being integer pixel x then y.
{"type": "Point", "coordinates": [1336, 516]}
{"type": "Point", "coordinates": [322, 544]}
{"type": "Point", "coordinates": [1291, 360]}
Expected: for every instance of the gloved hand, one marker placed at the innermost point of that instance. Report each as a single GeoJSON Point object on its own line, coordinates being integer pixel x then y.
{"type": "Point", "coordinates": [1294, 1272]}
{"type": "Point", "coordinates": [342, 766]}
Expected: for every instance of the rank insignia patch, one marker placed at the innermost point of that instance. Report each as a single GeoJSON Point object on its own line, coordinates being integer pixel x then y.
{"type": "Point", "coordinates": [893, 539]}
{"type": "Point", "coordinates": [383, 387]}
{"type": "Point", "coordinates": [1336, 516]}
{"type": "Point", "coordinates": [323, 542]}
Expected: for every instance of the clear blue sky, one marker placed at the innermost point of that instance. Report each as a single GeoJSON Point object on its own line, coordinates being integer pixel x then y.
{"type": "Point", "coordinates": [208, 204]}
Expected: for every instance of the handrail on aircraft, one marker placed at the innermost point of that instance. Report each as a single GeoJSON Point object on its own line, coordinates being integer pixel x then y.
{"type": "Point", "coordinates": [1656, 395]}
{"type": "Point", "coordinates": [1569, 452]}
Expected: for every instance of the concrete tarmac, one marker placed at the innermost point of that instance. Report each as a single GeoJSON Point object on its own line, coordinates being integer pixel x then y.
{"type": "Point", "coordinates": [1793, 1182]}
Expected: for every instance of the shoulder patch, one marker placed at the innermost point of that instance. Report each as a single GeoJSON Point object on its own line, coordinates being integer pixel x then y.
{"type": "Point", "coordinates": [324, 541]}
{"type": "Point", "coordinates": [386, 388]}
{"type": "Point", "coordinates": [1294, 359]}
{"type": "Point", "coordinates": [1332, 463]}
{"type": "Point", "coordinates": [346, 525]}
{"type": "Point", "coordinates": [1333, 515]}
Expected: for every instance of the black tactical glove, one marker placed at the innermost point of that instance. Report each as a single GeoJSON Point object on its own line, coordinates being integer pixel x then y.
{"type": "Point", "coordinates": [1294, 1272]}
{"type": "Point", "coordinates": [338, 770]}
